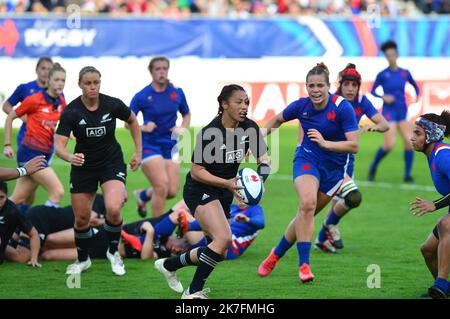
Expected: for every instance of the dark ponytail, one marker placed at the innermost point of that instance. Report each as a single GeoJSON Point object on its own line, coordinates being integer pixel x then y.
{"type": "Point", "coordinates": [226, 93]}
{"type": "Point", "coordinates": [443, 119]}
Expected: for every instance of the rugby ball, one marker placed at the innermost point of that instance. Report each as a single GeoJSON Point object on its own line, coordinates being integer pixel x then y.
{"type": "Point", "coordinates": [252, 186]}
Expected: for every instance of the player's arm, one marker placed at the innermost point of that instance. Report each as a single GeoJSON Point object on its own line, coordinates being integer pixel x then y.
{"type": "Point", "coordinates": [186, 121]}
{"type": "Point", "coordinates": [414, 84]}
{"type": "Point", "coordinates": [375, 85]}
{"type": "Point", "coordinates": [35, 245]}
{"type": "Point", "coordinates": [351, 145]}
{"type": "Point", "coordinates": [272, 124]}
{"type": "Point", "coordinates": [257, 217]}
{"type": "Point", "coordinates": [32, 166]}
{"type": "Point", "coordinates": [201, 175]}
{"type": "Point", "coordinates": [61, 141]}
{"type": "Point", "coordinates": [381, 125]}
{"type": "Point", "coordinates": [185, 113]}
{"type": "Point", "coordinates": [13, 100]}
{"type": "Point", "coordinates": [301, 133]}
{"type": "Point", "coordinates": [421, 206]}
{"type": "Point", "coordinates": [7, 147]}
{"type": "Point", "coordinates": [135, 131]}
{"type": "Point", "coordinates": [147, 246]}
{"type": "Point", "coordinates": [95, 221]}
{"type": "Point", "coordinates": [7, 107]}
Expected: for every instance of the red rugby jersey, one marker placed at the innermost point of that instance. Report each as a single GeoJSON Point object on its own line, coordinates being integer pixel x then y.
{"type": "Point", "coordinates": [42, 119]}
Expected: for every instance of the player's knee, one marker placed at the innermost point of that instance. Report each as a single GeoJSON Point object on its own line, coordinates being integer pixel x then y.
{"type": "Point", "coordinates": [308, 206]}
{"type": "Point", "coordinates": [48, 255]}
{"type": "Point", "coordinates": [426, 250]}
{"type": "Point", "coordinates": [223, 241]}
{"type": "Point", "coordinates": [82, 222]}
{"type": "Point", "coordinates": [161, 189]}
{"type": "Point", "coordinates": [58, 192]}
{"type": "Point", "coordinates": [172, 192]}
{"type": "Point", "coordinates": [444, 226]}
{"type": "Point", "coordinates": [353, 198]}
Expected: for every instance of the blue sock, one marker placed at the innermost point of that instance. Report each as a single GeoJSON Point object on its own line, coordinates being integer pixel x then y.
{"type": "Point", "coordinates": [303, 248]}
{"type": "Point", "coordinates": [49, 203]}
{"type": "Point", "coordinates": [322, 235]}
{"type": "Point", "coordinates": [164, 228]}
{"type": "Point", "coordinates": [380, 154]}
{"type": "Point", "coordinates": [332, 219]}
{"type": "Point", "coordinates": [282, 247]}
{"type": "Point", "coordinates": [442, 284]}
{"type": "Point", "coordinates": [24, 209]}
{"type": "Point", "coordinates": [409, 157]}
{"type": "Point", "coordinates": [194, 225]}
{"type": "Point", "coordinates": [143, 196]}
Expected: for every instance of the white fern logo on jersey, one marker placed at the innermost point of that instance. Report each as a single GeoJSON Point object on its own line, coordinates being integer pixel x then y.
{"type": "Point", "coordinates": [205, 196]}
{"type": "Point", "coordinates": [244, 139]}
{"type": "Point", "coordinates": [82, 122]}
{"type": "Point", "coordinates": [106, 118]}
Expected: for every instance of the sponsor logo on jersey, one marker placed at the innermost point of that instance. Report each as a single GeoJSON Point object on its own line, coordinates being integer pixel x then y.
{"type": "Point", "coordinates": [49, 124]}
{"type": "Point", "coordinates": [82, 122]}
{"type": "Point", "coordinates": [205, 196]}
{"type": "Point", "coordinates": [45, 110]}
{"type": "Point", "coordinates": [223, 147]}
{"type": "Point", "coordinates": [233, 156]}
{"type": "Point", "coordinates": [95, 131]}
{"type": "Point", "coordinates": [2, 219]}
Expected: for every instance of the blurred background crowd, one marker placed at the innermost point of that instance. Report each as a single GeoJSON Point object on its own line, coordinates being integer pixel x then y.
{"type": "Point", "coordinates": [229, 8]}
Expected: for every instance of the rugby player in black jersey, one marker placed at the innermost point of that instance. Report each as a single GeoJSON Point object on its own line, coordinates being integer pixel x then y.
{"type": "Point", "coordinates": [211, 183]}
{"type": "Point", "coordinates": [97, 159]}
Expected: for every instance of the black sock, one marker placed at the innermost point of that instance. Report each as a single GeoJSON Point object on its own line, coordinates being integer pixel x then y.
{"type": "Point", "coordinates": [183, 260]}
{"type": "Point", "coordinates": [208, 260]}
{"type": "Point", "coordinates": [113, 233]}
{"type": "Point", "coordinates": [82, 240]}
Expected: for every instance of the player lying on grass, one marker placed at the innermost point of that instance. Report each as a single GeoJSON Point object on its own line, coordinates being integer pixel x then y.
{"type": "Point", "coordinates": [54, 227]}
{"type": "Point", "coordinates": [10, 220]}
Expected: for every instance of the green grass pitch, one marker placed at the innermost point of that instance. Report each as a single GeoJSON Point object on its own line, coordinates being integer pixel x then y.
{"type": "Point", "coordinates": [381, 231]}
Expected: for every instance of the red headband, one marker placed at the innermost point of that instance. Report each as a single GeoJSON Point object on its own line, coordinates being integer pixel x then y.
{"type": "Point", "coordinates": [351, 75]}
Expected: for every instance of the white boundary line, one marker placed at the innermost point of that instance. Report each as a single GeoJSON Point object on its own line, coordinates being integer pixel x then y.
{"type": "Point", "coordinates": [283, 177]}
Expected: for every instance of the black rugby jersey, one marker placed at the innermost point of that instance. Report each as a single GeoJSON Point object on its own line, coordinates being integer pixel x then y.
{"type": "Point", "coordinates": [94, 130]}
{"type": "Point", "coordinates": [221, 150]}
{"type": "Point", "coordinates": [10, 219]}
